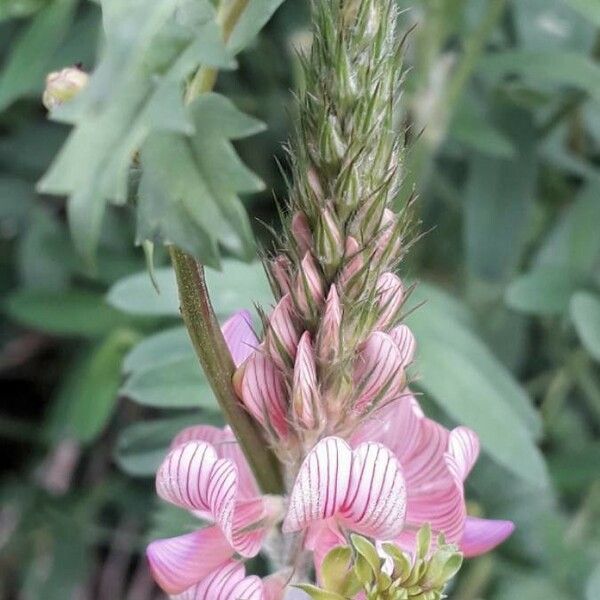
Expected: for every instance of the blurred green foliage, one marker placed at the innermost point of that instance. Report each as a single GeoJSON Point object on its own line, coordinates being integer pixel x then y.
{"type": "Point", "coordinates": [501, 110]}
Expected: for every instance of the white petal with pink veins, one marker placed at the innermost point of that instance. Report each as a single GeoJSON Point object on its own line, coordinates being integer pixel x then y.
{"type": "Point", "coordinates": [376, 501]}
{"type": "Point", "coordinates": [321, 485]}
{"type": "Point", "coordinates": [464, 447]}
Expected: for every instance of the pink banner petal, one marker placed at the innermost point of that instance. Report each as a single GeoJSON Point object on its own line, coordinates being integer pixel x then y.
{"type": "Point", "coordinates": [375, 505]}
{"type": "Point", "coordinates": [378, 373]}
{"type": "Point", "coordinates": [226, 446]}
{"type": "Point", "coordinates": [464, 448]}
{"type": "Point", "coordinates": [309, 285]}
{"type": "Point", "coordinates": [228, 583]}
{"type": "Point", "coordinates": [193, 477]}
{"type": "Point", "coordinates": [240, 337]}
{"type": "Point", "coordinates": [483, 535]}
{"type": "Point", "coordinates": [405, 340]}
{"type": "Point", "coordinates": [264, 393]}
{"type": "Point", "coordinates": [181, 562]}
{"type": "Point", "coordinates": [321, 485]}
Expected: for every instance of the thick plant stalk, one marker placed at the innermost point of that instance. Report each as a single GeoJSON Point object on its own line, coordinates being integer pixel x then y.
{"type": "Point", "coordinates": [202, 324]}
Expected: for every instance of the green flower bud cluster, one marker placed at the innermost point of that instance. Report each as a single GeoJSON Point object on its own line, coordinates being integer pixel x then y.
{"type": "Point", "coordinates": [389, 574]}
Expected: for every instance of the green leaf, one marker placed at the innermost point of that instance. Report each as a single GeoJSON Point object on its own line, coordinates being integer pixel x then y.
{"type": "Point", "coordinates": [574, 241]}
{"type": "Point", "coordinates": [585, 312]}
{"type": "Point", "coordinates": [555, 67]}
{"type": "Point", "coordinates": [142, 447]}
{"type": "Point", "coordinates": [69, 313]}
{"type": "Point", "coordinates": [590, 9]}
{"type": "Point", "coordinates": [543, 291]}
{"type": "Point", "coordinates": [252, 20]}
{"type": "Point", "coordinates": [31, 54]}
{"type": "Point", "coordinates": [135, 90]}
{"type": "Point", "coordinates": [472, 129]}
{"type": "Point", "coordinates": [176, 384]}
{"type": "Point", "coordinates": [499, 202]}
{"type": "Point", "coordinates": [475, 389]}
{"type": "Point", "coordinates": [159, 349]}
{"type": "Point", "coordinates": [88, 397]}
{"type": "Point", "coordinates": [188, 193]}
{"type": "Point", "coordinates": [237, 286]}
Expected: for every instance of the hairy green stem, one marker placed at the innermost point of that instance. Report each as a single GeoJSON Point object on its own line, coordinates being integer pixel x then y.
{"type": "Point", "coordinates": [200, 319]}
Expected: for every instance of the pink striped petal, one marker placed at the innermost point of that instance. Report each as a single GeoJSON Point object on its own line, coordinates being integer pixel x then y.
{"type": "Point", "coordinates": [240, 337]}
{"type": "Point", "coordinates": [228, 583]}
{"type": "Point", "coordinates": [179, 563]}
{"type": "Point", "coordinates": [301, 232]}
{"type": "Point", "coordinates": [482, 535]}
{"type": "Point", "coordinates": [309, 285]}
{"type": "Point", "coordinates": [321, 485]}
{"type": "Point", "coordinates": [463, 446]}
{"type": "Point", "coordinates": [435, 495]}
{"type": "Point", "coordinates": [274, 585]}
{"type": "Point", "coordinates": [405, 340]}
{"type": "Point", "coordinates": [281, 336]}
{"type": "Point", "coordinates": [390, 297]}
{"type": "Point", "coordinates": [378, 372]}
{"type": "Point", "coordinates": [193, 477]}
{"type": "Point", "coordinates": [226, 445]}
{"type": "Point", "coordinates": [305, 393]}
{"type": "Point", "coordinates": [396, 425]}
{"type": "Point", "coordinates": [264, 394]}
{"type": "Point", "coordinates": [376, 502]}
{"type": "Point", "coordinates": [329, 337]}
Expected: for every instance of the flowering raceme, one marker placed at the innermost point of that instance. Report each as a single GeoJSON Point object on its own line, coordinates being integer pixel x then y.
{"type": "Point", "coordinates": [328, 380]}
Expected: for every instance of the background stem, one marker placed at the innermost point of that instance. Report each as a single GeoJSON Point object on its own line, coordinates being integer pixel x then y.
{"type": "Point", "coordinates": [201, 322]}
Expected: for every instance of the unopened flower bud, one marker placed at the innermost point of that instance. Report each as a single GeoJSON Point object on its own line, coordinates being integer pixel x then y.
{"type": "Point", "coordinates": [281, 336]}
{"type": "Point", "coordinates": [354, 262]}
{"type": "Point", "coordinates": [280, 272]}
{"type": "Point", "coordinates": [301, 232]}
{"type": "Point", "coordinates": [390, 297]}
{"type": "Point", "coordinates": [329, 336]}
{"type": "Point", "coordinates": [309, 286]}
{"type": "Point", "coordinates": [332, 146]}
{"type": "Point", "coordinates": [329, 242]}
{"type": "Point", "coordinates": [62, 86]}
{"type": "Point", "coordinates": [305, 392]}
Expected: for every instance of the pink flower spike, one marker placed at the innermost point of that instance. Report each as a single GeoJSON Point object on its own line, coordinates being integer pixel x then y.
{"type": "Point", "coordinates": [264, 394]}
{"type": "Point", "coordinates": [378, 372]}
{"type": "Point", "coordinates": [364, 490]}
{"type": "Point", "coordinates": [228, 583]}
{"type": "Point", "coordinates": [405, 340]}
{"type": "Point", "coordinates": [240, 337]}
{"type": "Point", "coordinates": [328, 340]}
{"type": "Point", "coordinates": [305, 393]}
{"type": "Point", "coordinates": [281, 336]}
{"type": "Point", "coordinates": [390, 296]}
{"type": "Point", "coordinates": [179, 563]}
{"type": "Point", "coordinates": [302, 233]}
{"type": "Point", "coordinates": [482, 535]}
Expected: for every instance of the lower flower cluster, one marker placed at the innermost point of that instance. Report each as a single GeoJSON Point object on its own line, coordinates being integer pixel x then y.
{"type": "Point", "coordinates": [398, 472]}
